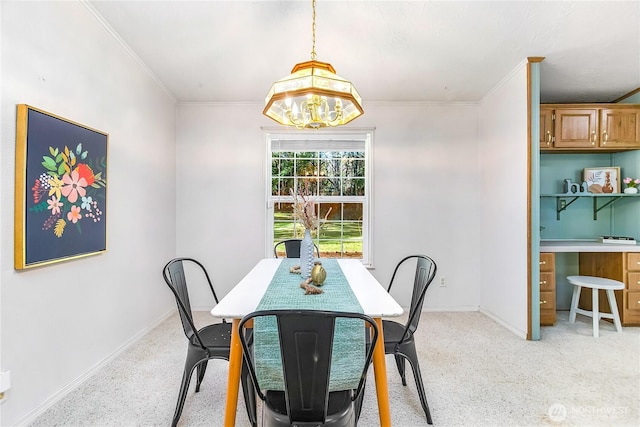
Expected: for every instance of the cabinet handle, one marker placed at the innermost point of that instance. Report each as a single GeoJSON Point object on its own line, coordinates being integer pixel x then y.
{"type": "Point", "coordinates": [605, 137]}
{"type": "Point", "coordinates": [593, 137]}
{"type": "Point", "coordinates": [544, 262]}
{"type": "Point", "coordinates": [544, 282]}
{"type": "Point", "coordinates": [548, 137]}
{"type": "Point", "coordinates": [544, 302]}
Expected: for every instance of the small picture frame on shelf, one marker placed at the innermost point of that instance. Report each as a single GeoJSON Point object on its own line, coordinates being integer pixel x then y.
{"type": "Point", "coordinates": [603, 180]}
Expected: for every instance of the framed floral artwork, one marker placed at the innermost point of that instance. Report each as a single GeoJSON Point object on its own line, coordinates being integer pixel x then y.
{"type": "Point", "coordinates": [604, 180]}
{"type": "Point", "coordinates": [60, 189]}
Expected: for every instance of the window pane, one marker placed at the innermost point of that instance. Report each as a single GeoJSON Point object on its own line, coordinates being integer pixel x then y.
{"type": "Point", "coordinates": [280, 186]}
{"type": "Point", "coordinates": [306, 167]}
{"type": "Point", "coordinates": [353, 168]}
{"type": "Point", "coordinates": [353, 187]}
{"type": "Point", "coordinates": [329, 186]}
{"type": "Point", "coordinates": [330, 167]}
{"type": "Point", "coordinates": [352, 212]}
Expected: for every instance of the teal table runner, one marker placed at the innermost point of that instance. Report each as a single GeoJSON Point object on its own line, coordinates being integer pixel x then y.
{"type": "Point", "coordinates": [284, 292]}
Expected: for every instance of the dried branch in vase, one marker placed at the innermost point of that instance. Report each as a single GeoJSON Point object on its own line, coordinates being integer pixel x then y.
{"type": "Point", "coordinates": [304, 208]}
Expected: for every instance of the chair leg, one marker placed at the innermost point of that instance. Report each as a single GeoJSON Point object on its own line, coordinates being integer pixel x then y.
{"type": "Point", "coordinates": [359, 401]}
{"type": "Point", "coordinates": [194, 359]}
{"type": "Point", "coordinates": [411, 355]}
{"type": "Point", "coordinates": [202, 368]}
{"type": "Point", "coordinates": [401, 370]}
{"type": "Point", "coordinates": [182, 394]}
{"type": "Point", "coordinates": [248, 391]}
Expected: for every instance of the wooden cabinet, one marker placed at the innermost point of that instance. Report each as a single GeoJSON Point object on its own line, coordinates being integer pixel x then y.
{"type": "Point", "coordinates": [589, 127]}
{"type": "Point", "coordinates": [546, 127]}
{"type": "Point", "coordinates": [547, 289]}
{"type": "Point", "coordinates": [631, 296]}
{"type": "Point", "coordinates": [621, 266]}
{"type": "Point", "coordinates": [620, 127]}
{"type": "Point", "coordinates": [576, 128]}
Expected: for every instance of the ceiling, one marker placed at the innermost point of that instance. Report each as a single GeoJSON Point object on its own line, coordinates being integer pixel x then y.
{"type": "Point", "coordinates": [428, 51]}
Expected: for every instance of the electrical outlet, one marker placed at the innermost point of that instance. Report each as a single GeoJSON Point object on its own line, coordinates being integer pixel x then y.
{"type": "Point", "coordinates": [443, 282]}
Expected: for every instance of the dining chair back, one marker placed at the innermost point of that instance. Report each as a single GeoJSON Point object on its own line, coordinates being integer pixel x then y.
{"type": "Point", "coordinates": [306, 345]}
{"type": "Point", "coordinates": [291, 249]}
{"type": "Point", "coordinates": [399, 338]}
{"type": "Point", "coordinates": [209, 342]}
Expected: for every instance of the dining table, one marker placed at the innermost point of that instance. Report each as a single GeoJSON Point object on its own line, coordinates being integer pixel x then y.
{"type": "Point", "coordinates": [247, 295]}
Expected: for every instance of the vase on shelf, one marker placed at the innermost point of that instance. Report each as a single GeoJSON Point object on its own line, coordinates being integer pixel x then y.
{"type": "Point", "coordinates": [631, 190]}
{"type": "Point", "coordinates": [306, 255]}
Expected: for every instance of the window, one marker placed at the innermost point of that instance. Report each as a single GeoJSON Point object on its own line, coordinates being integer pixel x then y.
{"type": "Point", "coordinates": [335, 168]}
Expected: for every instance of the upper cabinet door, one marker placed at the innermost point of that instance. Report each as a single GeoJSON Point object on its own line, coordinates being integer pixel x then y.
{"type": "Point", "coordinates": [546, 128]}
{"type": "Point", "coordinates": [620, 128]}
{"type": "Point", "coordinates": [576, 128]}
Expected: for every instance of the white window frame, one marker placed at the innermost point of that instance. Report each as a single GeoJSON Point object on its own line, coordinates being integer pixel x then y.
{"type": "Point", "coordinates": [273, 136]}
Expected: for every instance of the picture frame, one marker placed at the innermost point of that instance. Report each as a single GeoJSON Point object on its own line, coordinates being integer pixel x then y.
{"type": "Point", "coordinates": [603, 180]}
{"type": "Point", "coordinates": [60, 189]}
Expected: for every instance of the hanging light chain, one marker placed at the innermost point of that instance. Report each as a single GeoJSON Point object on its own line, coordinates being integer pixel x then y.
{"type": "Point", "coordinates": [313, 32]}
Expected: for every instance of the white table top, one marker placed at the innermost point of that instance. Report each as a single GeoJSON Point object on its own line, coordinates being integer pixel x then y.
{"type": "Point", "coordinates": [585, 246]}
{"type": "Point", "coordinates": [246, 295]}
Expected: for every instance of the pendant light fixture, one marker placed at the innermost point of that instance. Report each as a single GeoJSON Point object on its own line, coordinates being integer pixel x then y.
{"type": "Point", "coordinates": [313, 96]}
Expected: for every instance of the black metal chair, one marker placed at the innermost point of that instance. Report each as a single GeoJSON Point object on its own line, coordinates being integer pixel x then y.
{"type": "Point", "coordinates": [292, 248]}
{"type": "Point", "coordinates": [306, 345]}
{"type": "Point", "coordinates": [399, 338]}
{"type": "Point", "coordinates": [210, 342]}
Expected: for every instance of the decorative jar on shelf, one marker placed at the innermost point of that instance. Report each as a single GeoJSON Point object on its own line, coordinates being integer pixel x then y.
{"type": "Point", "coordinates": [631, 190]}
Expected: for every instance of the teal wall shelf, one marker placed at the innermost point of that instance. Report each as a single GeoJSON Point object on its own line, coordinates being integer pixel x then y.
{"type": "Point", "coordinates": [565, 199]}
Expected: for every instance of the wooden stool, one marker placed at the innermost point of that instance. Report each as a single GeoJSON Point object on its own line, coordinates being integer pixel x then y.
{"type": "Point", "coordinates": [595, 283]}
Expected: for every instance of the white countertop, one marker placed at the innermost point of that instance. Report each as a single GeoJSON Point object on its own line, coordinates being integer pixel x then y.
{"type": "Point", "coordinates": [564, 245]}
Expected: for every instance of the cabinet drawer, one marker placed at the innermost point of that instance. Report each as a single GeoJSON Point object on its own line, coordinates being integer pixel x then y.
{"type": "Point", "coordinates": [548, 300]}
{"type": "Point", "coordinates": [547, 261]}
{"type": "Point", "coordinates": [548, 281]}
{"type": "Point", "coordinates": [547, 317]}
{"type": "Point", "coordinates": [633, 261]}
{"type": "Point", "coordinates": [633, 301]}
{"type": "Point", "coordinates": [633, 282]}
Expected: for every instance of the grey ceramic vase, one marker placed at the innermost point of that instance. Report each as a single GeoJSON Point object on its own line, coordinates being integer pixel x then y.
{"type": "Point", "coordinates": [306, 255]}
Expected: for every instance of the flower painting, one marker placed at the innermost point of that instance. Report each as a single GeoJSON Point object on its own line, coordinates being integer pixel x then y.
{"type": "Point", "coordinates": [61, 211]}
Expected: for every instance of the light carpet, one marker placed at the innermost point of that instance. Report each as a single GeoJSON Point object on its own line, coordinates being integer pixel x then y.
{"type": "Point", "coordinates": [476, 373]}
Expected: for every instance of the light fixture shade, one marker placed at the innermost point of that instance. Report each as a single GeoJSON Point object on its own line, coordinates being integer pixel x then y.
{"type": "Point", "coordinates": [313, 96]}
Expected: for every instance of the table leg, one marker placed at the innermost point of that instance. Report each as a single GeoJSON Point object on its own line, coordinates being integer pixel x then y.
{"type": "Point", "coordinates": [233, 382]}
{"type": "Point", "coordinates": [380, 371]}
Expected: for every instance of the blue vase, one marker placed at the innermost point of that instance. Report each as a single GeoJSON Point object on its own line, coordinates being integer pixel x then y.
{"type": "Point", "coordinates": [306, 255]}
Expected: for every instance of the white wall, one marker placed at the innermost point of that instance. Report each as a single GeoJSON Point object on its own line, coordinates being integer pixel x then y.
{"type": "Point", "coordinates": [61, 321]}
{"type": "Point", "coordinates": [503, 214]}
{"type": "Point", "coordinates": [426, 193]}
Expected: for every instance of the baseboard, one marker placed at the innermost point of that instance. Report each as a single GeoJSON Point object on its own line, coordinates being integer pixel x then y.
{"type": "Point", "coordinates": [501, 322]}
{"type": "Point", "coordinates": [72, 385]}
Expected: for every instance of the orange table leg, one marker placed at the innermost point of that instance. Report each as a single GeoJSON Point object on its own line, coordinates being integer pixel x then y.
{"type": "Point", "coordinates": [380, 371]}
{"type": "Point", "coordinates": [233, 383]}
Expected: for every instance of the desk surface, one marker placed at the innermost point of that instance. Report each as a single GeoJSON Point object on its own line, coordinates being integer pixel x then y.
{"type": "Point", "coordinates": [585, 246]}
{"type": "Point", "coordinates": [245, 296]}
